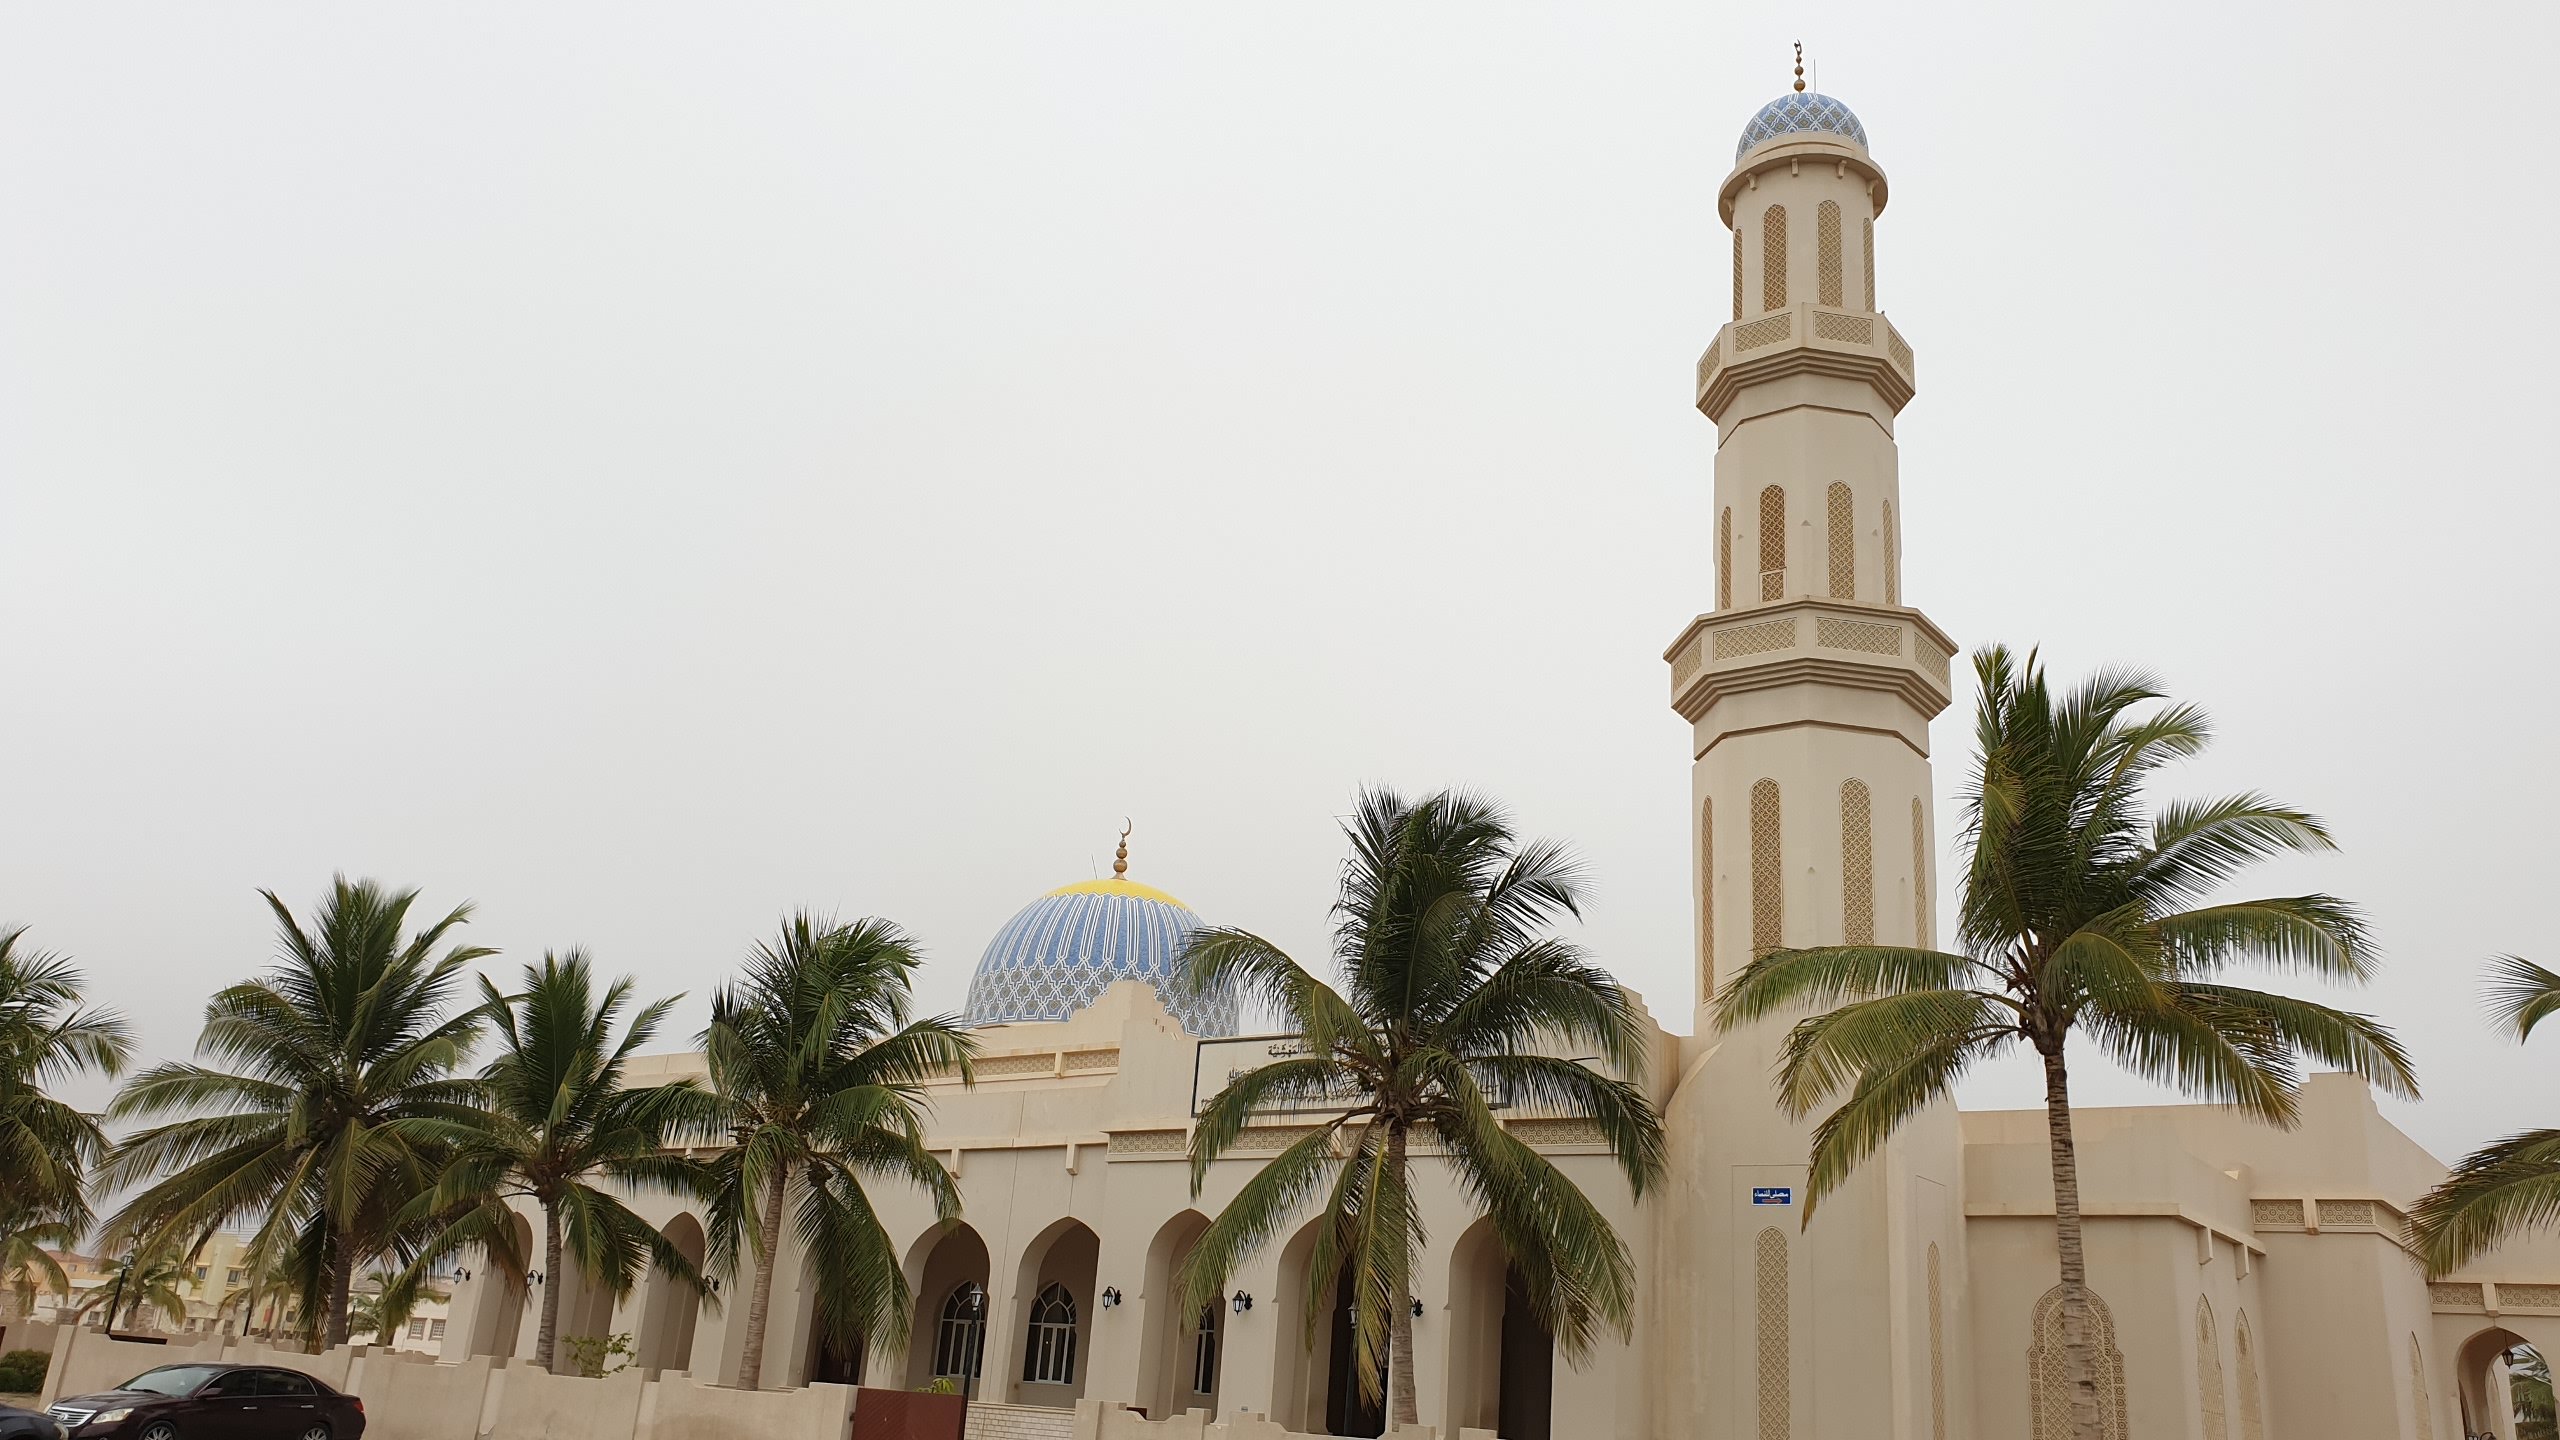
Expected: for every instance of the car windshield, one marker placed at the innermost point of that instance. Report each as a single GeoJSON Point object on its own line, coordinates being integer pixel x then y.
{"type": "Point", "coordinates": [177, 1380]}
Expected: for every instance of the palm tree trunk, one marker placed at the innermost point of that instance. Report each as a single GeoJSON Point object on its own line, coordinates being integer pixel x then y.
{"type": "Point", "coordinates": [547, 1338]}
{"type": "Point", "coordinates": [2079, 1373]}
{"type": "Point", "coordinates": [760, 1299]}
{"type": "Point", "coordinates": [340, 1280]}
{"type": "Point", "coordinates": [1402, 1405]}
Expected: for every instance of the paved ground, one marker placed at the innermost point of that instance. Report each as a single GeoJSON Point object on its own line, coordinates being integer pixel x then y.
{"type": "Point", "coordinates": [23, 1402]}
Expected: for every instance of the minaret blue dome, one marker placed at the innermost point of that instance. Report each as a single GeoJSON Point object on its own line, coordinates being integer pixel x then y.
{"type": "Point", "coordinates": [1058, 954]}
{"type": "Point", "coordinates": [1797, 112]}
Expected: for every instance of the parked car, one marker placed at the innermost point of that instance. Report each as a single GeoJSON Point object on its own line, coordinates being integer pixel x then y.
{"type": "Point", "coordinates": [17, 1424]}
{"type": "Point", "coordinates": [212, 1402]}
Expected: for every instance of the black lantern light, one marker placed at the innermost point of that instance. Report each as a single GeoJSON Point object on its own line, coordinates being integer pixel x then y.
{"type": "Point", "coordinates": [1243, 1302]}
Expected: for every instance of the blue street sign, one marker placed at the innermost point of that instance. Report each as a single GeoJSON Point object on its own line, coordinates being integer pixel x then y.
{"type": "Point", "coordinates": [1773, 1195]}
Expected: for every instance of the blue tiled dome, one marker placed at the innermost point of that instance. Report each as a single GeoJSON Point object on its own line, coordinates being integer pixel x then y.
{"type": "Point", "coordinates": [1060, 951]}
{"type": "Point", "coordinates": [1798, 111]}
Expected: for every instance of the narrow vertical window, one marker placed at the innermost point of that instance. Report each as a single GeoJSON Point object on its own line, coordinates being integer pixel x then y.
{"type": "Point", "coordinates": [1919, 876]}
{"type": "Point", "coordinates": [1204, 1353]}
{"type": "Point", "coordinates": [1773, 543]}
{"type": "Point", "coordinates": [1776, 1371]}
{"type": "Point", "coordinates": [1857, 865]}
{"type": "Point", "coordinates": [2253, 1421]}
{"type": "Point", "coordinates": [1867, 248]}
{"type": "Point", "coordinates": [1724, 559]}
{"type": "Point", "coordinates": [1826, 238]}
{"type": "Point", "coordinates": [1937, 1349]}
{"type": "Point", "coordinates": [1768, 875]}
{"type": "Point", "coordinates": [1706, 900]}
{"type": "Point", "coordinates": [1892, 558]}
{"type": "Point", "coordinates": [1049, 1349]}
{"type": "Point", "coordinates": [2209, 1374]}
{"type": "Point", "coordinates": [1843, 519]}
{"type": "Point", "coordinates": [1737, 272]}
{"type": "Point", "coordinates": [1773, 258]}
{"type": "Point", "coordinates": [2418, 1386]}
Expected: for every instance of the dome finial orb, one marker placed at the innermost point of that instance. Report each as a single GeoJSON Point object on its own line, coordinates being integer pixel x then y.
{"type": "Point", "coordinates": [1799, 67]}
{"type": "Point", "coordinates": [1120, 861]}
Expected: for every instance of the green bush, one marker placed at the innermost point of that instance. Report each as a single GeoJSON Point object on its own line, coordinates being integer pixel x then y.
{"type": "Point", "coordinates": [22, 1371]}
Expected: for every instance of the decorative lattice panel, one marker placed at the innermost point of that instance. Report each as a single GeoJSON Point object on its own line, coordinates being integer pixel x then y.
{"type": "Point", "coordinates": [1773, 541]}
{"type": "Point", "coordinates": [1571, 1131]}
{"type": "Point", "coordinates": [2217, 1425]}
{"type": "Point", "coordinates": [1847, 329]}
{"type": "Point", "coordinates": [1857, 865]}
{"type": "Point", "coordinates": [1826, 245]}
{"type": "Point", "coordinates": [1919, 875]}
{"type": "Point", "coordinates": [2418, 1390]}
{"type": "Point", "coordinates": [2253, 1416]}
{"type": "Point", "coordinates": [1934, 660]}
{"type": "Point", "coordinates": [1867, 250]}
{"type": "Point", "coordinates": [1773, 258]}
{"type": "Point", "coordinates": [1937, 1349]}
{"type": "Point", "coordinates": [2049, 1391]}
{"type": "Point", "coordinates": [1892, 558]}
{"type": "Point", "coordinates": [2346, 1212]}
{"type": "Point", "coordinates": [2529, 1297]}
{"type": "Point", "coordinates": [1764, 332]}
{"type": "Point", "coordinates": [1768, 872]}
{"type": "Point", "coordinates": [1684, 665]}
{"type": "Point", "coordinates": [1149, 1142]}
{"type": "Point", "coordinates": [1777, 1379]}
{"type": "Point", "coordinates": [1833, 632]}
{"type": "Point", "coordinates": [1756, 639]}
{"type": "Point", "coordinates": [1737, 272]}
{"type": "Point", "coordinates": [1708, 362]}
{"type": "Point", "coordinates": [2457, 1297]}
{"type": "Point", "coordinates": [1901, 354]}
{"type": "Point", "coordinates": [1273, 1137]}
{"type": "Point", "coordinates": [995, 1067]}
{"type": "Point", "coordinates": [2275, 1212]}
{"type": "Point", "coordinates": [1083, 1061]}
{"type": "Point", "coordinates": [1706, 899]}
{"type": "Point", "coordinates": [1841, 517]}
{"type": "Point", "coordinates": [1724, 559]}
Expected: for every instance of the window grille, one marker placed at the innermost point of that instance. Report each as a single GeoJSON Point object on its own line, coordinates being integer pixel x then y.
{"type": "Point", "coordinates": [1204, 1353]}
{"type": "Point", "coordinates": [1773, 542]}
{"type": "Point", "coordinates": [960, 1343]}
{"type": "Point", "coordinates": [1049, 1353]}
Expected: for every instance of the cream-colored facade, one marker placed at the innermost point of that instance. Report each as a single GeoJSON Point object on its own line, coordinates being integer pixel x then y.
{"type": "Point", "coordinates": [2253, 1283]}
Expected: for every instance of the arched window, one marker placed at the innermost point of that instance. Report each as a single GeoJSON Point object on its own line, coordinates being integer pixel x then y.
{"type": "Point", "coordinates": [1768, 874]}
{"type": "Point", "coordinates": [1857, 865]}
{"type": "Point", "coordinates": [1773, 258]}
{"type": "Point", "coordinates": [2209, 1373]}
{"type": "Point", "coordinates": [1737, 272]}
{"type": "Point", "coordinates": [2418, 1388]}
{"type": "Point", "coordinates": [1706, 899]}
{"type": "Point", "coordinates": [1826, 239]}
{"type": "Point", "coordinates": [1204, 1353]}
{"type": "Point", "coordinates": [1892, 558]}
{"type": "Point", "coordinates": [1867, 247]}
{"type": "Point", "coordinates": [1049, 1351]}
{"type": "Point", "coordinates": [1843, 518]}
{"type": "Point", "coordinates": [1776, 1370]}
{"type": "Point", "coordinates": [1919, 875]}
{"type": "Point", "coordinates": [1724, 559]}
{"type": "Point", "coordinates": [1773, 543]}
{"type": "Point", "coordinates": [2253, 1422]}
{"type": "Point", "coordinates": [2049, 1395]}
{"type": "Point", "coordinates": [960, 1342]}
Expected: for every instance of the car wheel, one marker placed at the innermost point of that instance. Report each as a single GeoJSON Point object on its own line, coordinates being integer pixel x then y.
{"type": "Point", "coordinates": [158, 1430]}
{"type": "Point", "coordinates": [316, 1432]}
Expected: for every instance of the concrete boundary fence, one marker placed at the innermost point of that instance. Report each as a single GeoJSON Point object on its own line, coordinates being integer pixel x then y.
{"type": "Point", "coordinates": [1107, 1420]}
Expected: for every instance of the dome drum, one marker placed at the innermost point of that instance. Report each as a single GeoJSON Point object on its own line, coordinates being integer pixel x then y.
{"type": "Point", "coordinates": [1060, 952]}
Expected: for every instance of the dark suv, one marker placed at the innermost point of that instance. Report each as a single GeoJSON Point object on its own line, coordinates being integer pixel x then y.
{"type": "Point", "coordinates": [212, 1402]}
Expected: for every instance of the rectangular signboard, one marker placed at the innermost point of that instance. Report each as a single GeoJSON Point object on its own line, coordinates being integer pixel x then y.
{"type": "Point", "coordinates": [1773, 1195]}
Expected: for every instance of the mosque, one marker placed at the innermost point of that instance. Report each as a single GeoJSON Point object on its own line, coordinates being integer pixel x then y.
{"type": "Point", "coordinates": [2249, 1283]}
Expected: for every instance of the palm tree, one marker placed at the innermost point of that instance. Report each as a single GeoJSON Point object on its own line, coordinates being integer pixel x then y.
{"type": "Point", "coordinates": [2512, 1185]}
{"type": "Point", "coordinates": [2529, 1385]}
{"type": "Point", "coordinates": [145, 1279]}
{"type": "Point", "coordinates": [1453, 1000]}
{"type": "Point", "coordinates": [338, 1105]}
{"type": "Point", "coordinates": [47, 1148]}
{"type": "Point", "coordinates": [817, 1076]}
{"type": "Point", "coordinates": [558, 1121]}
{"type": "Point", "coordinates": [2078, 918]}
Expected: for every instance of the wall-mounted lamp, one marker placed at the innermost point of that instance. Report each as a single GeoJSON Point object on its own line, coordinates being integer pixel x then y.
{"type": "Point", "coordinates": [1111, 1297]}
{"type": "Point", "coordinates": [714, 1282]}
{"type": "Point", "coordinates": [1417, 1307]}
{"type": "Point", "coordinates": [463, 1275]}
{"type": "Point", "coordinates": [1243, 1302]}
{"type": "Point", "coordinates": [534, 1275]}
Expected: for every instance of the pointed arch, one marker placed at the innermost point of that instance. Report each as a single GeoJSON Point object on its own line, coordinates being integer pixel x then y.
{"type": "Point", "coordinates": [1768, 873]}
{"type": "Point", "coordinates": [1706, 899]}
{"type": "Point", "coordinates": [1773, 542]}
{"type": "Point", "coordinates": [1737, 272]}
{"type": "Point", "coordinates": [1826, 239]}
{"type": "Point", "coordinates": [1857, 865]}
{"type": "Point", "coordinates": [1773, 258]}
{"type": "Point", "coordinates": [1867, 247]}
{"type": "Point", "coordinates": [1892, 558]}
{"type": "Point", "coordinates": [2217, 1424]}
{"type": "Point", "coordinates": [1919, 874]}
{"type": "Point", "coordinates": [1843, 517]}
{"type": "Point", "coordinates": [1724, 559]}
{"type": "Point", "coordinates": [2253, 1420]}
{"type": "Point", "coordinates": [2418, 1389]}
{"type": "Point", "coordinates": [2048, 1394]}
{"type": "Point", "coordinates": [1776, 1370]}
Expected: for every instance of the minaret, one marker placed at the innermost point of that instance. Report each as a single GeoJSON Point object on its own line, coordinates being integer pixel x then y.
{"type": "Point", "coordinates": [1810, 687]}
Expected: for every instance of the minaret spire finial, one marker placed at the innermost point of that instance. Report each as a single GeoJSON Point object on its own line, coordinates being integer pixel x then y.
{"type": "Point", "coordinates": [1799, 67]}
{"type": "Point", "coordinates": [1120, 861]}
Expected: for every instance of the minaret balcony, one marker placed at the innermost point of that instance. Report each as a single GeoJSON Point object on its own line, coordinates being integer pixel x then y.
{"type": "Point", "coordinates": [1811, 641]}
{"type": "Point", "coordinates": [1806, 339]}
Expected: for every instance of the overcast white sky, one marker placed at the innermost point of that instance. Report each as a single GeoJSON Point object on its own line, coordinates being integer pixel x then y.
{"type": "Point", "coordinates": [643, 468]}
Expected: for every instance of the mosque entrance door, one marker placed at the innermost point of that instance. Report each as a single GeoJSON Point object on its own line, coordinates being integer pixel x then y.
{"type": "Point", "coordinates": [1528, 1365]}
{"type": "Point", "coordinates": [1346, 1411]}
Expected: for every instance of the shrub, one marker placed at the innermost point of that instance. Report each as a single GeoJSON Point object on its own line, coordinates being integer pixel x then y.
{"type": "Point", "coordinates": [22, 1371]}
{"type": "Point", "coordinates": [939, 1385]}
{"type": "Point", "coordinates": [597, 1356]}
